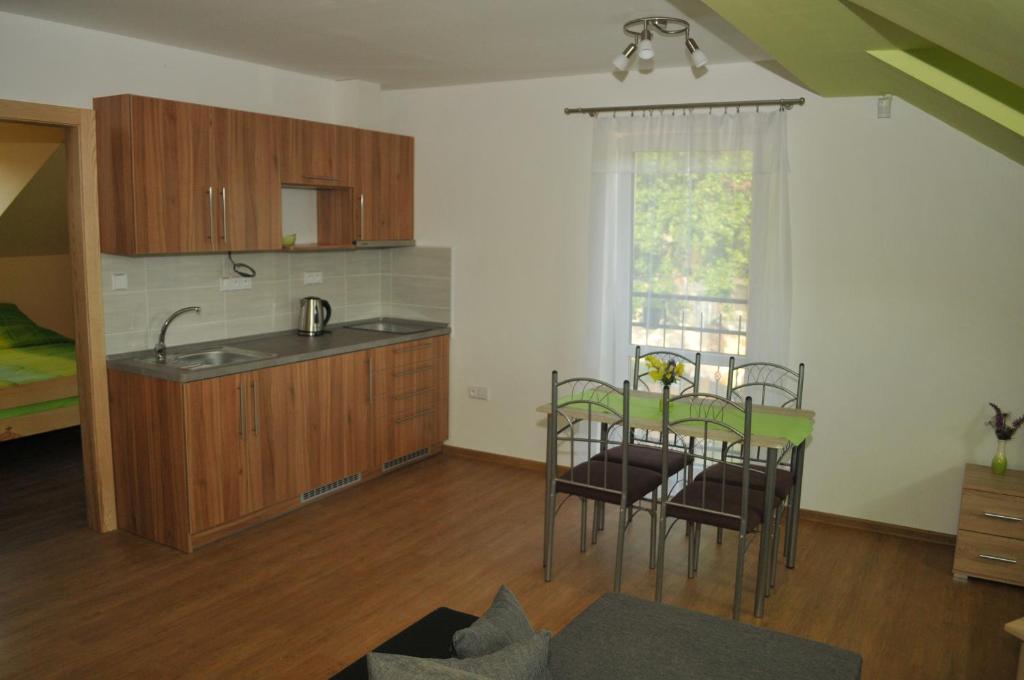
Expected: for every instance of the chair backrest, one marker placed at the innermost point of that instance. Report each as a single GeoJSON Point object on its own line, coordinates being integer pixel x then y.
{"type": "Point", "coordinates": [688, 382]}
{"type": "Point", "coordinates": [719, 433]}
{"type": "Point", "coordinates": [588, 417]}
{"type": "Point", "coordinates": [766, 383]}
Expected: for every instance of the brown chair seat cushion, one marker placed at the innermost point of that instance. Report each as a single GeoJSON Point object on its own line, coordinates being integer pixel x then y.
{"type": "Point", "coordinates": [734, 476]}
{"type": "Point", "coordinates": [647, 457]}
{"type": "Point", "coordinates": [608, 476]}
{"type": "Point", "coordinates": [720, 498]}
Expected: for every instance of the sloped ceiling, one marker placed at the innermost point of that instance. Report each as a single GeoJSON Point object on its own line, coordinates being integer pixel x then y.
{"type": "Point", "coordinates": [961, 62]}
{"type": "Point", "coordinates": [36, 221]}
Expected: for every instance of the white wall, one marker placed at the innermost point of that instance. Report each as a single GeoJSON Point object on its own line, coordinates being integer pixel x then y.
{"type": "Point", "coordinates": [51, 63]}
{"type": "Point", "coordinates": [908, 304]}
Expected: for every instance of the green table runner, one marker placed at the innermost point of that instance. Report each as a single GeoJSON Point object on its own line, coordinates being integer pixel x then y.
{"type": "Point", "coordinates": [793, 428]}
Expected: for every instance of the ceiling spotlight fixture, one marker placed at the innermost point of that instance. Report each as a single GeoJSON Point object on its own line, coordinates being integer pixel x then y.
{"type": "Point", "coordinates": [641, 30]}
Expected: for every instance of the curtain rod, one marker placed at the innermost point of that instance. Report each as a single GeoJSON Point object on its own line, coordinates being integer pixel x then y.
{"type": "Point", "coordinates": [781, 103]}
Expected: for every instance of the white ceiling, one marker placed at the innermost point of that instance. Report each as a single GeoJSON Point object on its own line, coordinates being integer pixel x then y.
{"type": "Point", "coordinates": [404, 44]}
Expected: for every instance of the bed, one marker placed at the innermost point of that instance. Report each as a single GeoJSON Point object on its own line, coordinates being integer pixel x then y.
{"type": "Point", "coordinates": [38, 381]}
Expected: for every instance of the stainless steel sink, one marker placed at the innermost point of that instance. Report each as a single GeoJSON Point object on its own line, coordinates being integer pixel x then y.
{"type": "Point", "coordinates": [211, 358]}
{"type": "Point", "coordinates": [388, 327]}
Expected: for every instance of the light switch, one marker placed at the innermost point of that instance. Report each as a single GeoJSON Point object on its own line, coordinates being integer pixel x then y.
{"type": "Point", "coordinates": [118, 281]}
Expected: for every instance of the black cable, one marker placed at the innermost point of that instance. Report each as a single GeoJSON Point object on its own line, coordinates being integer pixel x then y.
{"type": "Point", "coordinates": [241, 268]}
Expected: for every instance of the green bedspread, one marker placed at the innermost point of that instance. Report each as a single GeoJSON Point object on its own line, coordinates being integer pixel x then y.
{"type": "Point", "coordinates": [23, 365]}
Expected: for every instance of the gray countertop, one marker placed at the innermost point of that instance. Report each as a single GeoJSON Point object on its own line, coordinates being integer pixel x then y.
{"type": "Point", "coordinates": [287, 347]}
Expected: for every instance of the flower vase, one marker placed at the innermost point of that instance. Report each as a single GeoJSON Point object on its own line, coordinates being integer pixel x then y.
{"type": "Point", "coordinates": [999, 460]}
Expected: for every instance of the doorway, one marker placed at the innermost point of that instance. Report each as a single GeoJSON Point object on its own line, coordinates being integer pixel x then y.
{"type": "Point", "coordinates": [27, 407]}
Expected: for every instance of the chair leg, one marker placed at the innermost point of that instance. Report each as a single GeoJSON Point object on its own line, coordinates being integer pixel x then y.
{"type": "Point", "coordinates": [762, 569]}
{"type": "Point", "coordinates": [653, 512]}
{"type": "Point", "coordinates": [660, 574]}
{"type": "Point", "coordinates": [718, 536]}
{"type": "Point", "coordinates": [737, 598]}
{"type": "Point", "coordinates": [549, 552]}
{"type": "Point", "coordinates": [691, 553]}
{"type": "Point", "coordinates": [775, 548]}
{"type": "Point", "coordinates": [601, 516]}
{"type": "Point", "coordinates": [583, 525]}
{"type": "Point", "coordinates": [620, 547]}
{"type": "Point", "coordinates": [595, 522]}
{"type": "Point", "coordinates": [696, 551]}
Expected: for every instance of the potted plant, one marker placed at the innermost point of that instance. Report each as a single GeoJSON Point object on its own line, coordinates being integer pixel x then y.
{"type": "Point", "coordinates": [665, 372]}
{"type": "Point", "coordinates": [1005, 429]}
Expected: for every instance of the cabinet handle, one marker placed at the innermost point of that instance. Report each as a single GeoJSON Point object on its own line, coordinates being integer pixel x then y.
{"type": "Point", "coordinates": [325, 178]}
{"type": "Point", "coordinates": [362, 215]}
{"type": "Point", "coordinates": [413, 371]}
{"type": "Point", "coordinates": [224, 210]}
{"type": "Point", "coordinates": [1008, 518]}
{"type": "Point", "coordinates": [412, 348]}
{"type": "Point", "coordinates": [997, 558]}
{"type": "Point", "coordinates": [241, 412]}
{"type": "Point", "coordinates": [255, 408]}
{"type": "Point", "coordinates": [370, 371]}
{"type": "Point", "coordinates": [209, 196]}
{"type": "Point", "coordinates": [413, 416]}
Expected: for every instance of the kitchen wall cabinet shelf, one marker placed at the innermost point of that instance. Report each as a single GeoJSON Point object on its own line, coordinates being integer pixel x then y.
{"type": "Point", "coordinates": [200, 460]}
{"type": "Point", "coordinates": [176, 177]}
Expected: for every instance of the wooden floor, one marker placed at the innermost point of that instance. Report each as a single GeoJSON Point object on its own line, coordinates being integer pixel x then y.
{"type": "Point", "coordinates": [302, 596]}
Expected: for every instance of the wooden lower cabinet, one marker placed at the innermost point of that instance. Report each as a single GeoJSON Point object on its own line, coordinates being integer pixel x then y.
{"type": "Point", "coordinates": [195, 461]}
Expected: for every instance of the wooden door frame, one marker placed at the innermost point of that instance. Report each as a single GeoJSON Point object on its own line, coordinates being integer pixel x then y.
{"type": "Point", "coordinates": [84, 251]}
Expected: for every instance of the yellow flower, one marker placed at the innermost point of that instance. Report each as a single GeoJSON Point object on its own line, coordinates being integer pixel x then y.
{"type": "Point", "coordinates": [654, 362]}
{"type": "Point", "coordinates": [656, 373]}
{"type": "Point", "coordinates": [679, 370]}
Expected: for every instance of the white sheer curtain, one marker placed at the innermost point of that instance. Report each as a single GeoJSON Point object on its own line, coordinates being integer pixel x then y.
{"type": "Point", "coordinates": [709, 143]}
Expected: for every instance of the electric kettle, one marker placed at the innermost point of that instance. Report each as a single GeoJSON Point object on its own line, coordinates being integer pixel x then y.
{"type": "Point", "coordinates": [314, 313]}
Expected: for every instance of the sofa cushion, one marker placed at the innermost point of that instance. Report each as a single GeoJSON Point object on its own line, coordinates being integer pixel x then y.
{"type": "Point", "coordinates": [524, 660]}
{"type": "Point", "coordinates": [624, 637]}
{"type": "Point", "coordinates": [502, 624]}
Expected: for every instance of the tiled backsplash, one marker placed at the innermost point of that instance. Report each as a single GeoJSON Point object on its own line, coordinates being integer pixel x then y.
{"type": "Point", "coordinates": [411, 283]}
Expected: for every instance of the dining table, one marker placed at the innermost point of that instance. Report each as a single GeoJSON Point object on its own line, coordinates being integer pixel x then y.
{"type": "Point", "coordinates": [780, 431]}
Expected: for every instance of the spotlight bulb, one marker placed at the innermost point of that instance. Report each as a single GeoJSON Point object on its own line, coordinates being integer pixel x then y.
{"type": "Point", "coordinates": [646, 50]}
{"type": "Point", "coordinates": [621, 62]}
{"type": "Point", "coordinates": [697, 56]}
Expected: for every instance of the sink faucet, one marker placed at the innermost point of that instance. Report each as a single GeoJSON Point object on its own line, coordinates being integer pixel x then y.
{"type": "Point", "coordinates": [161, 346]}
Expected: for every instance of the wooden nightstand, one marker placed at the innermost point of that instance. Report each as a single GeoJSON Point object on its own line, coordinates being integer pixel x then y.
{"type": "Point", "coordinates": [990, 539]}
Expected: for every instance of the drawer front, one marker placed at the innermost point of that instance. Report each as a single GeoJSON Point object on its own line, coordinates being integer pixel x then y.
{"type": "Point", "coordinates": [412, 353]}
{"type": "Point", "coordinates": [992, 513]}
{"type": "Point", "coordinates": [414, 402]}
{"type": "Point", "coordinates": [991, 557]}
{"type": "Point", "coordinates": [409, 379]}
{"type": "Point", "coordinates": [415, 431]}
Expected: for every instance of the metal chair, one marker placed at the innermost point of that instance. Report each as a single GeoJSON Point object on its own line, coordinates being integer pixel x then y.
{"type": "Point", "coordinates": [588, 417]}
{"type": "Point", "coordinates": [766, 384]}
{"type": "Point", "coordinates": [715, 423]}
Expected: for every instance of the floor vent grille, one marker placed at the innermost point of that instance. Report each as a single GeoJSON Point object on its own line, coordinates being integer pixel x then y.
{"type": "Point", "coordinates": [332, 486]}
{"type": "Point", "coordinates": [407, 458]}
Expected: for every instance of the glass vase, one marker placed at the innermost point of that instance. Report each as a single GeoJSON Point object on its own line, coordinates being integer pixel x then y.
{"type": "Point", "coordinates": [999, 460]}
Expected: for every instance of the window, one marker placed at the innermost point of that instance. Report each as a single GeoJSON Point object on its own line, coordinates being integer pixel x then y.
{"type": "Point", "coordinates": [690, 277]}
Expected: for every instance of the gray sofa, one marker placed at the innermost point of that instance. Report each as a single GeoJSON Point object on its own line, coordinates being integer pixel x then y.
{"type": "Point", "coordinates": [625, 637]}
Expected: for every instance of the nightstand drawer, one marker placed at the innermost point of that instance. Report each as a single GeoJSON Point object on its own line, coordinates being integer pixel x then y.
{"type": "Point", "coordinates": [989, 557]}
{"type": "Point", "coordinates": [992, 513]}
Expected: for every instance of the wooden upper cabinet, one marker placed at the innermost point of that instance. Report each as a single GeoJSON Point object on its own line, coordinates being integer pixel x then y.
{"type": "Point", "coordinates": [385, 170]}
{"type": "Point", "coordinates": [314, 154]}
{"type": "Point", "coordinates": [155, 176]}
{"type": "Point", "coordinates": [248, 186]}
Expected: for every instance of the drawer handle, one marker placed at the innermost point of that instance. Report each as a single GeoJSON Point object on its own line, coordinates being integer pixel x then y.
{"type": "Point", "coordinates": [1008, 518]}
{"type": "Point", "coordinates": [997, 558]}
{"type": "Point", "coordinates": [326, 178]}
{"type": "Point", "coordinates": [414, 348]}
{"type": "Point", "coordinates": [413, 371]}
{"type": "Point", "coordinates": [414, 416]}
{"type": "Point", "coordinates": [414, 393]}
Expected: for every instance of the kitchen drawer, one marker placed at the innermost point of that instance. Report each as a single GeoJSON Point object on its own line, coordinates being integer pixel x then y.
{"type": "Point", "coordinates": [416, 430]}
{"type": "Point", "coordinates": [990, 557]}
{"type": "Point", "coordinates": [413, 353]}
{"type": "Point", "coordinates": [413, 378]}
{"type": "Point", "coordinates": [413, 402]}
{"type": "Point", "coordinates": [992, 513]}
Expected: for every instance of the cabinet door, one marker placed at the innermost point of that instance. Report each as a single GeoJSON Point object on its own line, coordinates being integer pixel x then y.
{"type": "Point", "coordinates": [309, 154]}
{"type": "Point", "coordinates": [172, 175]}
{"type": "Point", "coordinates": [386, 186]}
{"type": "Point", "coordinates": [351, 406]}
{"type": "Point", "coordinates": [281, 423]}
{"type": "Point", "coordinates": [248, 183]}
{"type": "Point", "coordinates": [216, 436]}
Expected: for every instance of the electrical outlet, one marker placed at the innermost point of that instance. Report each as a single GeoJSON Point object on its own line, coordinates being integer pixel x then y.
{"type": "Point", "coordinates": [309, 278]}
{"type": "Point", "coordinates": [118, 281]}
{"type": "Point", "coordinates": [236, 283]}
{"type": "Point", "coordinates": [477, 392]}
